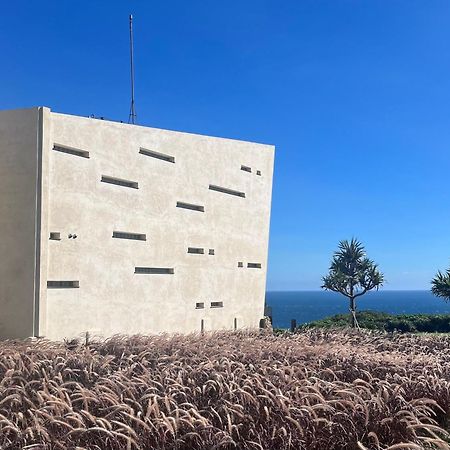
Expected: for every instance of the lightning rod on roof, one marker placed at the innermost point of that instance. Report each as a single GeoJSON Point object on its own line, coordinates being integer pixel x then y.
{"type": "Point", "coordinates": [132, 116]}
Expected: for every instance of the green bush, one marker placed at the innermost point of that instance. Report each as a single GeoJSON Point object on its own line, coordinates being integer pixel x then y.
{"type": "Point", "coordinates": [373, 320]}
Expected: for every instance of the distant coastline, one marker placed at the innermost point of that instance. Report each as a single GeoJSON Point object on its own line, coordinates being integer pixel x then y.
{"type": "Point", "coordinates": [306, 306]}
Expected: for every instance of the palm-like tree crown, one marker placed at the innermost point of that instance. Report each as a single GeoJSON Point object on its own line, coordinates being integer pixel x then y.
{"type": "Point", "coordinates": [440, 285]}
{"type": "Point", "coordinates": [351, 272]}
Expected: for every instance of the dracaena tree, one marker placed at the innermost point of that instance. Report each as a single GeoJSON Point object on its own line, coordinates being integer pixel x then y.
{"type": "Point", "coordinates": [352, 274]}
{"type": "Point", "coordinates": [440, 285]}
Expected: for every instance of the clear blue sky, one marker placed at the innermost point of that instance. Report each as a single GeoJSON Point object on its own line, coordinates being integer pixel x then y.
{"type": "Point", "coordinates": [354, 94]}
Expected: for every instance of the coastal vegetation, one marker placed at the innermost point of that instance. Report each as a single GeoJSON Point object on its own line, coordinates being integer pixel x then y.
{"type": "Point", "coordinates": [375, 320]}
{"type": "Point", "coordinates": [352, 274]}
{"type": "Point", "coordinates": [314, 390]}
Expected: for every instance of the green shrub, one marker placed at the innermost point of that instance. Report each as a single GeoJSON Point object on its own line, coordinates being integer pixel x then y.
{"type": "Point", "coordinates": [373, 320]}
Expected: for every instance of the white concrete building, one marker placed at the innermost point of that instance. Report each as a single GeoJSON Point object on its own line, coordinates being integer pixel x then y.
{"type": "Point", "coordinates": [112, 228]}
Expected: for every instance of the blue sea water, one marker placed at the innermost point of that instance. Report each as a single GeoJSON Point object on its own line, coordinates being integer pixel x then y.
{"type": "Point", "coordinates": [305, 306]}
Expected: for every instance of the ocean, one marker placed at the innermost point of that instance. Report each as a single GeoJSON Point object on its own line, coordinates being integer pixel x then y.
{"type": "Point", "coordinates": [305, 306]}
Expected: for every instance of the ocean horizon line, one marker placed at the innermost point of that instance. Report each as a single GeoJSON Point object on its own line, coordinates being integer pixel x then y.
{"type": "Point", "coordinates": [370, 292]}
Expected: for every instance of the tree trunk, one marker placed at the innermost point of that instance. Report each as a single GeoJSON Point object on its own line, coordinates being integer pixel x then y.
{"type": "Point", "coordinates": [353, 311]}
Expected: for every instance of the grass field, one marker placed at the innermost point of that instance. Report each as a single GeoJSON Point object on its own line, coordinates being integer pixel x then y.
{"type": "Point", "coordinates": [313, 390]}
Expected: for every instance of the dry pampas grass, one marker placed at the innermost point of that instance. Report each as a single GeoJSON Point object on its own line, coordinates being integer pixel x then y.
{"type": "Point", "coordinates": [313, 390]}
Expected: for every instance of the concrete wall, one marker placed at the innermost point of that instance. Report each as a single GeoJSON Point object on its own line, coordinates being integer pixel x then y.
{"type": "Point", "coordinates": [20, 133]}
{"type": "Point", "coordinates": [111, 298]}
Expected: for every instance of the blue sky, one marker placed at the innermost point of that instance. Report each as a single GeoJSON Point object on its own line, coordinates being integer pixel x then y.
{"type": "Point", "coordinates": [354, 94]}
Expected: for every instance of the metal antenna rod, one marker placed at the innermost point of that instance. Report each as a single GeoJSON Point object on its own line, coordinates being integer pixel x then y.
{"type": "Point", "coordinates": [132, 116]}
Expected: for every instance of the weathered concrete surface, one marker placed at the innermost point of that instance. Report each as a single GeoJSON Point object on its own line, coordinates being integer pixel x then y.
{"type": "Point", "coordinates": [111, 298]}
{"type": "Point", "coordinates": [19, 136]}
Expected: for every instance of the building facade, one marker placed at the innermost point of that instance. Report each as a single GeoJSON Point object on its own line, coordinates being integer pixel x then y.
{"type": "Point", "coordinates": [113, 228]}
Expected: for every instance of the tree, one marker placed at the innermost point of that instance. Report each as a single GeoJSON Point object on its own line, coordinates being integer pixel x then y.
{"type": "Point", "coordinates": [440, 285]}
{"type": "Point", "coordinates": [352, 274]}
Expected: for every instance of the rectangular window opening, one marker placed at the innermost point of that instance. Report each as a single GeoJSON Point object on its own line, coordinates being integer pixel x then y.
{"type": "Point", "coordinates": [258, 172]}
{"type": "Point", "coordinates": [211, 251]}
{"type": "Point", "coordinates": [154, 270]}
{"type": "Point", "coordinates": [196, 250]}
{"type": "Point", "coordinates": [199, 305]}
{"type": "Point", "coordinates": [157, 155]}
{"type": "Point", "coordinates": [246, 169]}
{"type": "Point", "coordinates": [120, 182]}
{"type": "Point", "coordinates": [54, 236]}
{"type": "Point", "coordinates": [133, 236]}
{"type": "Point", "coordinates": [71, 151]}
{"type": "Point", "coordinates": [63, 284]}
{"type": "Point", "coordinates": [213, 187]}
{"type": "Point", "coordinates": [216, 304]}
{"type": "Point", "coordinates": [190, 206]}
{"type": "Point", "coordinates": [240, 264]}
{"type": "Point", "coordinates": [254, 265]}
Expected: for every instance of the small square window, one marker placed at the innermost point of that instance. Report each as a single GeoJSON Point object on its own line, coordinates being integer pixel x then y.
{"type": "Point", "coordinates": [240, 264]}
{"type": "Point", "coordinates": [211, 251]}
{"type": "Point", "coordinates": [199, 305]}
{"type": "Point", "coordinates": [258, 172]}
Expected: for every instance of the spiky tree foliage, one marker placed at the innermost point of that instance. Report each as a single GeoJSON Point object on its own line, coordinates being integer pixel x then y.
{"type": "Point", "coordinates": [352, 274]}
{"type": "Point", "coordinates": [440, 285]}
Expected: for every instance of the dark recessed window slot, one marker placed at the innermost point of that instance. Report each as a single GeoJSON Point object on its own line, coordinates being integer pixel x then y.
{"type": "Point", "coordinates": [254, 265]}
{"type": "Point", "coordinates": [258, 172]}
{"type": "Point", "coordinates": [157, 155]}
{"type": "Point", "coordinates": [216, 304]}
{"type": "Point", "coordinates": [133, 236]}
{"type": "Point", "coordinates": [213, 187]}
{"type": "Point", "coordinates": [63, 284]}
{"type": "Point", "coordinates": [246, 169]}
{"type": "Point", "coordinates": [211, 251]}
{"type": "Point", "coordinates": [71, 151]}
{"type": "Point", "coordinates": [120, 182]}
{"type": "Point", "coordinates": [196, 250]}
{"type": "Point", "coordinates": [240, 264]}
{"type": "Point", "coordinates": [200, 305]}
{"type": "Point", "coordinates": [55, 236]}
{"type": "Point", "coordinates": [154, 270]}
{"type": "Point", "coordinates": [190, 206]}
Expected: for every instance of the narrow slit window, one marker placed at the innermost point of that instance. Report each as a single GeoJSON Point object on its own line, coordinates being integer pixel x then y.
{"type": "Point", "coordinates": [196, 250]}
{"type": "Point", "coordinates": [133, 236]}
{"type": "Point", "coordinates": [54, 236]}
{"type": "Point", "coordinates": [258, 172]}
{"type": "Point", "coordinates": [157, 155]}
{"type": "Point", "coordinates": [240, 264]}
{"type": "Point", "coordinates": [213, 187]}
{"type": "Point", "coordinates": [154, 270]}
{"type": "Point", "coordinates": [254, 265]}
{"type": "Point", "coordinates": [63, 284]}
{"type": "Point", "coordinates": [71, 151]}
{"type": "Point", "coordinates": [120, 182]}
{"type": "Point", "coordinates": [246, 169]}
{"type": "Point", "coordinates": [190, 206]}
{"type": "Point", "coordinates": [211, 251]}
{"type": "Point", "coordinates": [199, 305]}
{"type": "Point", "coordinates": [216, 304]}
